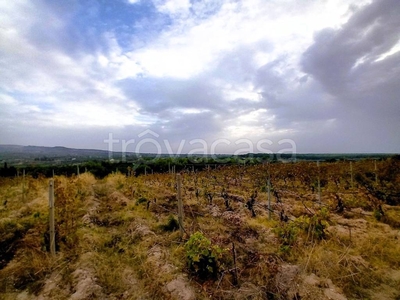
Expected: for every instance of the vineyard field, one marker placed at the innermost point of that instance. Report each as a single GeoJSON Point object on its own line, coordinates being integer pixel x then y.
{"type": "Point", "coordinates": [268, 231]}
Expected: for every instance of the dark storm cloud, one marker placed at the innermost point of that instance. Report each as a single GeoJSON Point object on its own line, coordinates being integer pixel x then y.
{"type": "Point", "coordinates": [343, 60]}
{"type": "Point", "coordinates": [366, 88]}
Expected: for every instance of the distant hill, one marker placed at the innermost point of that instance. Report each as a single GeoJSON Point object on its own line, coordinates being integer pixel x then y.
{"type": "Point", "coordinates": [22, 155]}
{"type": "Point", "coordinates": [16, 154]}
{"type": "Point", "coordinates": [50, 151]}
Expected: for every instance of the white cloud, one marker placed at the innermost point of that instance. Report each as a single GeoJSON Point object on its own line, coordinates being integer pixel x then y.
{"type": "Point", "coordinates": [193, 46]}
{"type": "Point", "coordinates": [172, 6]}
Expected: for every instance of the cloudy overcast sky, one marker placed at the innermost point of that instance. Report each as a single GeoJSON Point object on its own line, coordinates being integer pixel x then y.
{"type": "Point", "coordinates": [324, 74]}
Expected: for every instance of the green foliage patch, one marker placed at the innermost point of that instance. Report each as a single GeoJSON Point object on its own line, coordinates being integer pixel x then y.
{"type": "Point", "coordinates": [203, 258]}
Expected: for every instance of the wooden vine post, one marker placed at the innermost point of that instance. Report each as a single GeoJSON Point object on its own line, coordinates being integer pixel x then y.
{"type": "Point", "coordinates": [351, 175]}
{"type": "Point", "coordinates": [376, 173]}
{"type": "Point", "coordinates": [23, 186]}
{"type": "Point", "coordinates": [319, 185]}
{"type": "Point", "coordinates": [51, 218]}
{"type": "Point", "coordinates": [180, 205]}
{"type": "Point", "coordinates": [235, 274]}
{"type": "Point", "coordinates": [269, 195]}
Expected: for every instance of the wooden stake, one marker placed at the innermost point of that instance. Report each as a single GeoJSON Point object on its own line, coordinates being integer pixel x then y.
{"type": "Point", "coordinates": [351, 175]}
{"type": "Point", "coordinates": [269, 195]}
{"type": "Point", "coordinates": [51, 218]}
{"type": "Point", "coordinates": [235, 275]}
{"type": "Point", "coordinates": [180, 205]}
{"type": "Point", "coordinates": [376, 173]}
{"type": "Point", "coordinates": [23, 185]}
{"type": "Point", "coordinates": [319, 185]}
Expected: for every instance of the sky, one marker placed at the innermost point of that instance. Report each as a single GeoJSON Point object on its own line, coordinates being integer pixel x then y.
{"type": "Point", "coordinates": [179, 76]}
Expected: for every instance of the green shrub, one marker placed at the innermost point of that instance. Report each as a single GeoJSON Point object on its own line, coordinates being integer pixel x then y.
{"type": "Point", "coordinates": [286, 233]}
{"type": "Point", "coordinates": [203, 259]}
{"type": "Point", "coordinates": [315, 225]}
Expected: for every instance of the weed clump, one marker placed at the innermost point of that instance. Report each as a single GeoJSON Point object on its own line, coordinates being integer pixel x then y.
{"type": "Point", "coordinates": [141, 200]}
{"type": "Point", "coordinates": [392, 218]}
{"type": "Point", "coordinates": [172, 224]}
